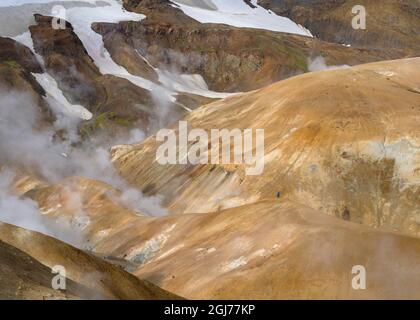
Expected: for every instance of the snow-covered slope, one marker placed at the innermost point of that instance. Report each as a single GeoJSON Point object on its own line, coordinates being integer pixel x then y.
{"type": "Point", "coordinates": [239, 14]}
{"type": "Point", "coordinates": [81, 14]}
{"type": "Point", "coordinates": [54, 95]}
{"type": "Point", "coordinates": [53, 92]}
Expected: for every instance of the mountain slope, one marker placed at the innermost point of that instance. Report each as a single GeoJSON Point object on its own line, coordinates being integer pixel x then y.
{"type": "Point", "coordinates": [117, 100]}
{"type": "Point", "coordinates": [230, 59]}
{"type": "Point", "coordinates": [98, 279]}
{"type": "Point", "coordinates": [394, 24]}
{"type": "Point", "coordinates": [340, 187]}
{"type": "Point", "coordinates": [342, 159]}
{"type": "Point", "coordinates": [271, 249]}
{"type": "Point", "coordinates": [22, 277]}
{"type": "Point", "coordinates": [333, 140]}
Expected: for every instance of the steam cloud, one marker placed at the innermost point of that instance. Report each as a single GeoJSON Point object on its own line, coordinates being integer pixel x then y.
{"type": "Point", "coordinates": [28, 143]}
{"type": "Point", "coordinates": [319, 64]}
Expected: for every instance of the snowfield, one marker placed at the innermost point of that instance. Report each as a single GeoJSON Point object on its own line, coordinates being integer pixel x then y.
{"type": "Point", "coordinates": [11, 3]}
{"type": "Point", "coordinates": [17, 15]}
{"type": "Point", "coordinates": [238, 14]}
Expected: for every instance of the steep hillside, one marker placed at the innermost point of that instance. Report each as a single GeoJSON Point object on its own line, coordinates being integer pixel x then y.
{"type": "Point", "coordinates": [273, 249]}
{"type": "Point", "coordinates": [268, 250]}
{"type": "Point", "coordinates": [88, 89]}
{"type": "Point", "coordinates": [113, 99]}
{"type": "Point", "coordinates": [14, 53]}
{"type": "Point", "coordinates": [344, 142]}
{"type": "Point", "coordinates": [229, 58]}
{"type": "Point", "coordinates": [341, 142]}
{"type": "Point", "coordinates": [392, 24]}
{"type": "Point", "coordinates": [32, 255]}
{"type": "Point", "coordinates": [22, 277]}
{"type": "Point", "coordinates": [17, 63]}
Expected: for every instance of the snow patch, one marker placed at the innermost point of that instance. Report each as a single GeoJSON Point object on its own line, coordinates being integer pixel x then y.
{"type": "Point", "coordinates": [238, 14]}
{"type": "Point", "coordinates": [14, 3]}
{"type": "Point", "coordinates": [55, 95]}
{"type": "Point", "coordinates": [81, 14]}
{"type": "Point", "coordinates": [189, 83]}
{"type": "Point", "coordinates": [110, 11]}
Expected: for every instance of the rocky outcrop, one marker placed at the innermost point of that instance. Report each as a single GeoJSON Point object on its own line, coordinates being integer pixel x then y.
{"type": "Point", "coordinates": [15, 77]}
{"type": "Point", "coordinates": [163, 10]}
{"type": "Point", "coordinates": [396, 25]}
{"type": "Point", "coordinates": [229, 59]}
{"type": "Point", "coordinates": [13, 53]}
{"type": "Point", "coordinates": [128, 57]}
{"type": "Point", "coordinates": [17, 63]}
{"type": "Point", "coordinates": [67, 59]}
{"type": "Point", "coordinates": [115, 102]}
